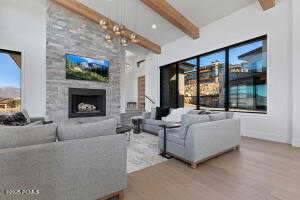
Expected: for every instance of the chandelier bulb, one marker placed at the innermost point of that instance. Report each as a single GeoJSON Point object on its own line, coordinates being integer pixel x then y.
{"type": "Point", "coordinates": [103, 24]}
{"type": "Point", "coordinates": [108, 38]}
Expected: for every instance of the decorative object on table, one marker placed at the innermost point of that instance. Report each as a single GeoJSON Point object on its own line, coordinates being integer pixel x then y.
{"type": "Point", "coordinates": [124, 129]}
{"type": "Point", "coordinates": [137, 122]}
{"type": "Point", "coordinates": [165, 127]}
{"type": "Point", "coordinates": [162, 112]}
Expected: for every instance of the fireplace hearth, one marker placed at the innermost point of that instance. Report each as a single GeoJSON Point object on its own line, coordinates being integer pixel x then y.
{"type": "Point", "coordinates": [87, 102]}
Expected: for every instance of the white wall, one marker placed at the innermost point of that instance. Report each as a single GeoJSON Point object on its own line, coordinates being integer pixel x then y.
{"type": "Point", "coordinates": [129, 80]}
{"type": "Point", "coordinates": [23, 28]}
{"type": "Point", "coordinates": [152, 89]}
{"type": "Point", "coordinates": [243, 25]}
{"type": "Point", "coordinates": [296, 72]}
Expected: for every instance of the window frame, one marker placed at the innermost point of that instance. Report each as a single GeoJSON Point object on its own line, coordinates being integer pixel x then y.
{"type": "Point", "coordinates": [21, 75]}
{"type": "Point", "coordinates": [227, 81]}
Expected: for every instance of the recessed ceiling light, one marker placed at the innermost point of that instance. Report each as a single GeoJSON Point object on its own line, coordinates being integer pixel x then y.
{"type": "Point", "coordinates": [154, 26]}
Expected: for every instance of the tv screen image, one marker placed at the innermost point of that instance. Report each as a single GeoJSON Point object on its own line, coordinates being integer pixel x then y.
{"type": "Point", "coordinates": [89, 69]}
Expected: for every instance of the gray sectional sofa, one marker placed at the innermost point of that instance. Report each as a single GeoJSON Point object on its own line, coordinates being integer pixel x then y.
{"type": "Point", "coordinates": [78, 161]}
{"type": "Point", "coordinates": [202, 137]}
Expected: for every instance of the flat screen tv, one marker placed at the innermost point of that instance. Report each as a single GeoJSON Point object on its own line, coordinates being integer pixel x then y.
{"type": "Point", "coordinates": [89, 69]}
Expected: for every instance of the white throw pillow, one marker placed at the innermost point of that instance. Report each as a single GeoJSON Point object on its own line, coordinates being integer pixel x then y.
{"type": "Point", "coordinates": [175, 115]}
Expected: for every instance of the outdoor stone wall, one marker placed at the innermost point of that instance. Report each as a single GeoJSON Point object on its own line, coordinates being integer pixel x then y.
{"type": "Point", "coordinates": [68, 32]}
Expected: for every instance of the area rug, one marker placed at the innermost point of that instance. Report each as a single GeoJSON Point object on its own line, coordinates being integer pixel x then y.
{"type": "Point", "coordinates": [142, 152]}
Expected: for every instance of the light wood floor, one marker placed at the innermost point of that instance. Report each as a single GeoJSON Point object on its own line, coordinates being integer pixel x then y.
{"type": "Point", "coordinates": [261, 170]}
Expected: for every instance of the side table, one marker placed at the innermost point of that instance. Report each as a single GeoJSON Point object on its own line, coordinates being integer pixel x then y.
{"type": "Point", "coordinates": [165, 127]}
{"type": "Point", "coordinates": [123, 129]}
{"type": "Point", "coordinates": [137, 122]}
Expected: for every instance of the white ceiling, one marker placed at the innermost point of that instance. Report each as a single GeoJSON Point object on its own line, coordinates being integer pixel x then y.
{"type": "Point", "coordinates": [140, 18]}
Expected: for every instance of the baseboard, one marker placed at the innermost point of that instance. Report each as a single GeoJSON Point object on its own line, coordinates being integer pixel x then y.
{"type": "Point", "coordinates": [296, 143]}
{"type": "Point", "coordinates": [265, 136]}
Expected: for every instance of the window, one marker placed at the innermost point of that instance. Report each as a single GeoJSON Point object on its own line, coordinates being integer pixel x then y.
{"type": "Point", "coordinates": [248, 77]}
{"type": "Point", "coordinates": [233, 78]}
{"type": "Point", "coordinates": [187, 84]}
{"type": "Point", "coordinates": [10, 81]}
{"type": "Point", "coordinates": [212, 81]}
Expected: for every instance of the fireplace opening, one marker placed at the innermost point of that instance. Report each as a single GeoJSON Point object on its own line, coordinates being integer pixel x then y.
{"type": "Point", "coordinates": [87, 102]}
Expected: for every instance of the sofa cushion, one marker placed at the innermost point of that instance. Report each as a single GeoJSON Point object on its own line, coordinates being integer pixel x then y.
{"type": "Point", "coordinates": [204, 112]}
{"type": "Point", "coordinates": [87, 130]}
{"type": "Point", "coordinates": [153, 122]}
{"type": "Point", "coordinates": [11, 137]}
{"type": "Point", "coordinates": [194, 112]}
{"type": "Point", "coordinates": [229, 115]}
{"type": "Point", "coordinates": [190, 119]}
{"type": "Point", "coordinates": [218, 116]}
{"type": "Point", "coordinates": [175, 115]}
{"type": "Point", "coordinates": [173, 135]}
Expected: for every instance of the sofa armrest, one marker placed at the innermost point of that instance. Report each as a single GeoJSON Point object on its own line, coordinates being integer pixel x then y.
{"type": "Point", "coordinates": [210, 138]}
{"type": "Point", "coordinates": [88, 168]}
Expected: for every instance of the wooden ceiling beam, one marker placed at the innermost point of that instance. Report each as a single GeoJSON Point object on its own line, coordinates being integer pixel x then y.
{"type": "Point", "coordinates": [267, 4]}
{"type": "Point", "coordinates": [167, 11]}
{"type": "Point", "coordinates": [95, 16]}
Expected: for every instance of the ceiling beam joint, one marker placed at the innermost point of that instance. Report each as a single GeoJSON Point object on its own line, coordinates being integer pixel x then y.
{"type": "Point", "coordinates": [267, 4]}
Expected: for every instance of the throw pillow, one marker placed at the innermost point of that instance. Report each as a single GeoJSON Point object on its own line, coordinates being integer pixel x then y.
{"type": "Point", "coordinates": [87, 130]}
{"type": "Point", "coordinates": [2, 118]}
{"type": "Point", "coordinates": [218, 116]}
{"type": "Point", "coordinates": [26, 115]}
{"type": "Point", "coordinates": [204, 112]}
{"type": "Point", "coordinates": [175, 115]}
{"type": "Point", "coordinates": [12, 137]}
{"type": "Point", "coordinates": [15, 119]}
{"type": "Point", "coordinates": [190, 119]}
{"type": "Point", "coordinates": [162, 112]}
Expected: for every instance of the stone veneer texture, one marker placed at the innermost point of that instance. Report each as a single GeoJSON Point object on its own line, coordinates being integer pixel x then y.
{"type": "Point", "coordinates": [68, 32]}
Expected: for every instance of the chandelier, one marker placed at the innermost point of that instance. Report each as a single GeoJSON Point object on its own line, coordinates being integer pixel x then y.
{"type": "Point", "coordinates": [117, 33]}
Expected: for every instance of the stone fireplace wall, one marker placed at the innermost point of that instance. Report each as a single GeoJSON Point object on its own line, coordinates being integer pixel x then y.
{"type": "Point", "coordinates": [68, 32]}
